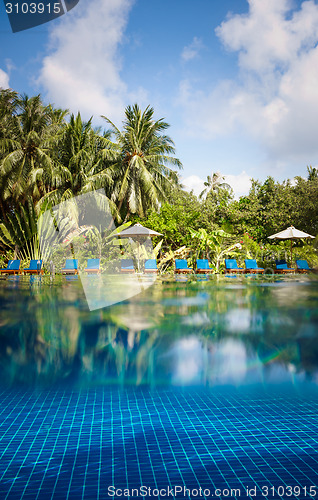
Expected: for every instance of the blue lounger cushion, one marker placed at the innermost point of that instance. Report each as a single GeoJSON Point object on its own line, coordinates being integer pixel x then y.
{"type": "Point", "coordinates": [127, 265]}
{"type": "Point", "coordinates": [151, 265]}
{"type": "Point", "coordinates": [281, 265]}
{"type": "Point", "coordinates": [93, 264]}
{"type": "Point", "coordinates": [252, 264]}
{"type": "Point", "coordinates": [35, 265]}
{"type": "Point", "coordinates": [231, 264]}
{"type": "Point", "coordinates": [203, 264]}
{"type": "Point", "coordinates": [70, 265]}
{"type": "Point", "coordinates": [181, 264]}
{"type": "Point", "coordinates": [13, 265]}
{"type": "Point", "coordinates": [302, 265]}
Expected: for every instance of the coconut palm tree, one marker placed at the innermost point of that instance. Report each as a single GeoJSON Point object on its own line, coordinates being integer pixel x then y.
{"type": "Point", "coordinates": [213, 184]}
{"type": "Point", "coordinates": [140, 173]}
{"type": "Point", "coordinates": [8, 105]}
{"type": "Point", "coordinates": [27, 164]}
{"type": "Point", "coordinates": [82, 158]}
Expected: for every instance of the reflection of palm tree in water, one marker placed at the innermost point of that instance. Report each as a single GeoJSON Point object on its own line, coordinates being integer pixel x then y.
{"type": "Point", "coordinates": [133, 350]}
{"type": "Point", "coordinates": [121, 337]}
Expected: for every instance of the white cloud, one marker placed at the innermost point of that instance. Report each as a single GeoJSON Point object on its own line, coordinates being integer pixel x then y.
{"type": "Point", "coordinates": [268, 38]}
{"type": "Point", "coordinates": [275, 98]}
{"type": "Point", "coordinates": [240, 183]}
{"type": "Point", "coordinates": [193, 183]}
{"type": "Point", "coordinates": [192, 50]}
{"type": "Point", "coordinates": [82, 70]}
{"type": "Point", "coordinates": [4, 79]}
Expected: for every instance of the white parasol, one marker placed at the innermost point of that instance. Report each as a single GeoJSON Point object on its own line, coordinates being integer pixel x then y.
{"type": "Point", "coordinates": [291, 233]}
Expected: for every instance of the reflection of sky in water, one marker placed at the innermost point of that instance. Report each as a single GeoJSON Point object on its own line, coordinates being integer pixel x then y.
{"type": "Point", "coordinates": [224, 363]}
{"type": "Point", "coordinates": [180, 333]}
{"type": "Point", "coordinates": [188, 360]}
{"type": "Point", "coordinates": [239, 320]}
{"type": "Point", "coordinates": [231, 361]}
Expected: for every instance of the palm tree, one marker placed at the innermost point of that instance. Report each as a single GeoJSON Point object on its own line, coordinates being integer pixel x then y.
{"type": "Point", "coordinates": [82, 158]}
{"type": "Point", "coordinates": [8, 105]}
{"type": "Point", "coordinates": [140, 173]}
{"type": "Point", "coordinates": [213, 184]}
{"type": "Point", "coordinates": [28, 164]}
{"type": "Point", "coordinates": [26, 168]}
{"type": "Point", "coordinates": [8, 108]}
{"type": "Point", "coordinates": [312, 173]}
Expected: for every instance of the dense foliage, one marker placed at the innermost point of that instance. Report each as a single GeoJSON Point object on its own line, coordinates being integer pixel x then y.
{"type": "Point", "coordinates": [48, 156]}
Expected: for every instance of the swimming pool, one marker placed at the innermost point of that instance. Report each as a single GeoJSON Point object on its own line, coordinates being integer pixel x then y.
{"type": "Point", "coordinates": [196, 383]}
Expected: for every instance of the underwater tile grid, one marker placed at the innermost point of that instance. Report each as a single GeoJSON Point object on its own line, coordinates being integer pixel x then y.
{"type": "Point", "coordinates": [98, 443]}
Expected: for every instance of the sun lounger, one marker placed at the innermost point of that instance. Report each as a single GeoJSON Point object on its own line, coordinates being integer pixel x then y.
{"type": "Point", "coordinates": [13, 267]}
{"type": "Point", "coordinates": [231, 267]}
{"type": "Point", "coordinates": [181, 266]}
{"type": "Point", "coordinates": [71, 267]}
{"type": "Point", "coordinates": [34, 268]}
{"type": "Point", "coordinates": [252, 267]}
{"type": "Point", "coordinates": [281, 267]}
{"type": "Point", "coordinates": [93, 266]}
{"type": "Point", "coordinates": [302, 266]}
{"type": "Point", "coordinates": [127, 266]}
{"type": "Point", "coordinates": [151, 266]}
{"type": "Point", "coordinates": [203, 266]}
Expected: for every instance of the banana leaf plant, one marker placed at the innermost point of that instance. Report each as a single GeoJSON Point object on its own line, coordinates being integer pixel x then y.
{"type": "Point", "coordinates": [214, 245]}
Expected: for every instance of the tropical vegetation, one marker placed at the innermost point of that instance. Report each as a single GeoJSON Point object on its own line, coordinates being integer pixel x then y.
{"type": "Point", "coordinates": [49, 156]}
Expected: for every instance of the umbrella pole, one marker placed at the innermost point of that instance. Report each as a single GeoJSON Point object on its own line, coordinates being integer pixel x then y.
{"type": "Point", "coordinates": [138, 256]}
{"type": "Point", "coordinates": [291, 251]}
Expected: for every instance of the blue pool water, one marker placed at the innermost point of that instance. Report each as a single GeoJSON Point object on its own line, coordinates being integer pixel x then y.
{"type": "Point", "coordinates": [192, 389]}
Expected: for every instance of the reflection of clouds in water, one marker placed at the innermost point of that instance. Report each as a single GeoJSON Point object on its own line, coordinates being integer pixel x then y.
{"type": "Point", "coordinates": [225, 362]}
{"type": "Point", "coordinates": [188, 366]}
{"type": "Point", "coordinates": [277, 373]}
{"type": "Point", "coordinates": [230, 362]}
{"type": "Point", "coordinates": [244, 321]}
{"type": "Point", "coordinates": [196, 319]}
{"type": "Point", "coordinates": [238, 320]}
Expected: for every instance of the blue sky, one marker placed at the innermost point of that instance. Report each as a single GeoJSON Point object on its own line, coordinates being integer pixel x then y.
{"type": "Point", "coordinates": [237, 80]}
